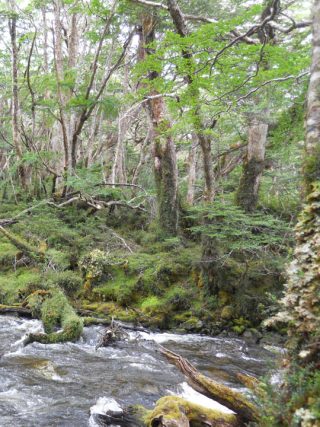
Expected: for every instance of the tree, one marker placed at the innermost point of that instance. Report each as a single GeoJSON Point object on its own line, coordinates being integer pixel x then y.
{"type": "Point", "coordinates": [164, 153]}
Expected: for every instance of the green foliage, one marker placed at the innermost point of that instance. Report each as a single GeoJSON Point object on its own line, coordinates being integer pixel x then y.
{"type": "Point", "coordinates": [295, 404]}
{"type": "Point", "coordinates": [239, 231]}
{"type": "Point", "coordinates": [69, 281]}
{"type": "Point", "coordinates": [12, 284]}
{"type": "Point", "coordinates": [8, 254]}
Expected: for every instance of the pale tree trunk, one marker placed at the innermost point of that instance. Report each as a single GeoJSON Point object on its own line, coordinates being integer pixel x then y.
{"type": "Point", "coordinates": [143, 155]}
{"type": "Point", "coordinates": [192, 172]}
{"type": "Point", "coordinates": [60, 77]}
{"type": "Point", "coordinates": [16, 138]}
{"type": "Point", "coordinates": [73, 45]}
{"type": "Point", "coordinates": [45, 39]}
{"type": "Point", "coordinates": [118, 174]}
{"type": "Point", "coordinates": [95, 127]}
{"type": "Point", "coordinates": [248, 191]}
{"type": "Point", "coordinates": [164, 151]}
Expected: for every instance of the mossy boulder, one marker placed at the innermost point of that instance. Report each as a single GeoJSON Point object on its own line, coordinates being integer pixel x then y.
{"type": "Point", "coordinates": [227, 312]}
{"type": "Point", "coordinates": [175, 411]}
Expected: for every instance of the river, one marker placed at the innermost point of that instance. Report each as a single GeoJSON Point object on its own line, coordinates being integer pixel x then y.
{"type": "Point", "coordinates": [56, 385]}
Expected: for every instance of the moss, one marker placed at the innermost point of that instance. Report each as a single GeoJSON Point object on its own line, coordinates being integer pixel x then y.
{"type": "Point", "coordinates": [240, 325]}
{"type": "Point", "coordinates": [13, 284]}
{"type": "Point", "coordinates": [152, 304]}
{"type": "Point", "coordinates": [59, 259]}
{"type": "Point", "coordinates": [227, 312]}
{"type": "Point", "coordinates": [111, 309]}
{"type": "Point", "coordinates": [179, 297]}
{"type": "Point", "coordinates": [23, 245]}
{"type": "Point", "coordinates": [119, 288]}
{"type": "Point", "coordinates": [55, 312]}
{"type": "Point", "coordinates": [8, 255]}
{"type": "Point", "coordinates": [247, 195]}
{"type": "Point", "coordinates": [69, 281]}
{"type": "Point", "coordinates": [175, 408]}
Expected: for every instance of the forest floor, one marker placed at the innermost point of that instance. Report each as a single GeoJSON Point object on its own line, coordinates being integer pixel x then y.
{"type": "Point", "coordinates": [127, 273]}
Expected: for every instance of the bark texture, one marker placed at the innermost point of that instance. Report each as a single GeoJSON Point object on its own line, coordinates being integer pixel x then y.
{"type": "Point", "coordinates": [165, 162]}
{"type": "Point", "coordinates": [312, 158]}
{"type": "Point", "coordinates": [301, 304]}
{"type": "Point", "coordinates": [248, 192]}
{"type": "Point", "coordinates": [192, 173]}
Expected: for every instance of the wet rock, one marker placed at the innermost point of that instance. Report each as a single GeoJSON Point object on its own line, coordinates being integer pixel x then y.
{"type": "Point", "coordinates": [252, 335]}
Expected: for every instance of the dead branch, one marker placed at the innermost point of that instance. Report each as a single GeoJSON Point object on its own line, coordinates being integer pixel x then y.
{"type": "Point", "coordinates": [115, 332]}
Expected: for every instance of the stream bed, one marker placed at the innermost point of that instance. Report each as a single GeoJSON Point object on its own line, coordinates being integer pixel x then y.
{"type": "Point", "coordinates": [56, 385]}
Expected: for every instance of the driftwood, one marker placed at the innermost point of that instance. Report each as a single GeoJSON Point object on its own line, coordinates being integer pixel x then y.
{"type": "Point", "coordinates": [113, 333]}
{"type": "Point", "coordinates": [245, 410]}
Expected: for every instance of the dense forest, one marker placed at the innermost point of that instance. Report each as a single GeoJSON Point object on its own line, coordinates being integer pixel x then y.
{"type": "Point", "coordinates": [160, 168]}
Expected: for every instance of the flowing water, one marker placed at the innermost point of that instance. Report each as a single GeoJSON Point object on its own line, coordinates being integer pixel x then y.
{"type": "Point", "coordinates": [56, 385]}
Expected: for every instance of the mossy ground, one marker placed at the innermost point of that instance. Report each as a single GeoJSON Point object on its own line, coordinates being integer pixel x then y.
{"type": "Point", "coordinates": [159, 283]}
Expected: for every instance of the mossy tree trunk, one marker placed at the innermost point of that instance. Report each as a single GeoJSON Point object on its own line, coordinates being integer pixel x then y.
{"type": "Point", "coordinates": [237, 402]}
{"type": "Point", "coordinates": [248, 191]}
{"type": "Point", "coordinates": [312, 146]}
{"type": "Point", "coordinates": [302, 296]}
{"type": "Point", "coordinates": [301, 304]}
{"type": "Point", "coordinates": [164, 152]}
{"type": "Point", "coordinates": [23, 246]}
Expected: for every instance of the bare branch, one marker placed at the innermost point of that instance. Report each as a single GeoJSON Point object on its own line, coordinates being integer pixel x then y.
{"type": "Point", "coordinates": [186, 16]}
{"type": "Point", "coordinates": [277, 80]}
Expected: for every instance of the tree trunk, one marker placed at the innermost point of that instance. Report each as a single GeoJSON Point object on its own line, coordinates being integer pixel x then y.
{"type": "Point", "coordinates": [300, 306]}
{"type": "Point", "coordinates": [302, 301]}
{"type": "Point", "coordinates": [164, 152]}
{"type": "Point", "coordinates": [192, 173]}
{"type": "Point", "coordinates": [60, 77]}
{"type": "Point", "coordinates": [143, 155]}
{"type": "Point", "coordinates": [15, 97]}
{"type": "Point", "coordinates": [247, 195]}
{"type": "Point", "coordinates": [199, 125]}
{"type": "Point", "coordinates": [312, 147]}
{"type": "Point", "coordinates": [165, 168]}
{"type": "Point", "coordinates": [245, 410]}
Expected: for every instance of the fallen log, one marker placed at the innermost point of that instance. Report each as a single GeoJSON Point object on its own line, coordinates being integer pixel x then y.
{"type": "Point", "coordinates": [22, 245]}
{"type": "Point", "coordinates": [15, 309]}
{"type": "Point", "coordinates": [173, 411]}
{"type": "Point", "coordinates": [245, 410]}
